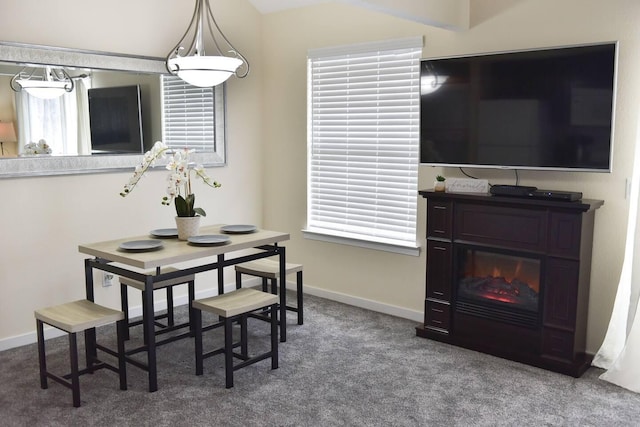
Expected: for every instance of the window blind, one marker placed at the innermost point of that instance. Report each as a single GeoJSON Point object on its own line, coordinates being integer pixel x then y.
{"type": "Point", "coordinates": [363, 136]}
{"type": "Point", "coordinates": [188, 117]}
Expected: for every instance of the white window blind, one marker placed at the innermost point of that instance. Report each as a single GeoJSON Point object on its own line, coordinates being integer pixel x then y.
{"type": "Point", "coordinates": [363, 135]}
{"type": "Point", "coordinates": [189, 115]}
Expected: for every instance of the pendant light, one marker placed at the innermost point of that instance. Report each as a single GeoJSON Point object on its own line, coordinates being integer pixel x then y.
{"type": "Point", "coordinates": [189, 61]}
{"type": "Point", "coordinates": [42, 82]}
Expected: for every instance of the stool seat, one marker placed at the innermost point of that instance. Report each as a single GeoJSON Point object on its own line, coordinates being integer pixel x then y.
{"type": "Point", "coordinates": [78, 316]}
{"type": "Point", "coordinates": [267, 268]}
{"type": "Point", "coordinates": [235, 303]}
{"type": "Point", "coordinates": [161, 284]}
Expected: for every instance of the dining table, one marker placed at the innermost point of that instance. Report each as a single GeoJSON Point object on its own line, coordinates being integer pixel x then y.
{"type": "Point", "coordinates": [213, 249]}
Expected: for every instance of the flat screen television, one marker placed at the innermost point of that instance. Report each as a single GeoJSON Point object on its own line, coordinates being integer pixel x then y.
{"type": "Point", "coordinates": [544, 109]}
{"type": "Point", "coordinates": [115, 120]}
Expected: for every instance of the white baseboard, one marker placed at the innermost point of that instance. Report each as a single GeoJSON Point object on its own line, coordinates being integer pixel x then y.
{"type": "Point", "coordinates": [392, 310]}
{"type": "Point", "coordinates": [418, 316]}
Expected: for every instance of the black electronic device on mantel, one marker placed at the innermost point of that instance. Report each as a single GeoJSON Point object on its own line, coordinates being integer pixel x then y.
{"type": "Point", "coordinates": [512, 190]}
{"type": "Point", "coordinates": [564, 196]}
{"type": "Point", "coordinates": [541, 109]}
{"type": "Point", "coordinates": [534, 193]}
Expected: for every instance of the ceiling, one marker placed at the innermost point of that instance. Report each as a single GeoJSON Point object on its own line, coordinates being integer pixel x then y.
{"type": "Point", "coordinates": [448, 14]}
{"type": "Point", "coordinates": [269, 6]}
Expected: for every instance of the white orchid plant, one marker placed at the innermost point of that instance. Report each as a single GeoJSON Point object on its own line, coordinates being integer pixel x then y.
{"type": "Point", "coordinates": [41, 147]}
{"type": "Point", "coordinates": [179, 188]}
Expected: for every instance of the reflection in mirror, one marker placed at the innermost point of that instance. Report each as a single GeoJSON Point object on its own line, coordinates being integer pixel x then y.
{"type": "Point", "coordinates": [102, 115]}
{"type": "Point", "coordinates": [118, 107]}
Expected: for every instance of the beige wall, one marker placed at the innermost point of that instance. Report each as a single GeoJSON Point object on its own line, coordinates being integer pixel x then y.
{"type": "Point", "coordinates": [43, 219]}
{"type": "Point", "coordinates": [397, 281]}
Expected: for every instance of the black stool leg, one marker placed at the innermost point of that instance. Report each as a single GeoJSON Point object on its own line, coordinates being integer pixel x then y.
{"type": "Point", "coordinates": [244, 347]}
{"type": "Point", "coordinates": [145, 330]}
{"type": "Point", "coordinates": [238, 280]}
{"type": "Point", "coordinates": [42, 358]}
{"type": "Point", "coordinates": [274, 337]}
{"type": "Point", "coordinates": [299, 297]}
{"type": "Point", "coordinates": [91, 351]}
{"type": "Point", "coordinates": [75, 376]}
{"type": "Point", "coordinates": [197, 330]}
{"type": "Point", "coordinates": [121, 327]}
{"type": "Point", "coordinates": [228, 352]}
{"type": "Point", "coordinates": [124, 306]}
{"type": "Point", "coordinates": [192, 296]}
{"type": "Point", "coordinates": [170, 321]}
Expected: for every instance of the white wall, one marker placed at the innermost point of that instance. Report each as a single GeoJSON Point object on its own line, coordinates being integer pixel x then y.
{"type": "Point", "coordinates": [44, 219]}
{"type": "Point", "coordinates": [397, 281]}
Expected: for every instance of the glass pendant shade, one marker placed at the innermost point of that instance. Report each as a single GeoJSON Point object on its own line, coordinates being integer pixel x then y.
{"type": "Point", "coordinates": [204, 71]}
{"type": "Point", "coordinates": [44, 83]}
{"type": "Point", "coordinates": [43, 89]}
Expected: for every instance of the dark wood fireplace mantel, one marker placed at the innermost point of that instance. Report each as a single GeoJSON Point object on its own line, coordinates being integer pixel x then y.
{"type": "Point", "coordinates": [558, 235]}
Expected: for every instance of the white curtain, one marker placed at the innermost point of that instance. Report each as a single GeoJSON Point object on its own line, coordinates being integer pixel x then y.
{"type": "Point", "coordinates": [620, 350]}
{"type": "Point", "coordinates": [62, 122]}
{"type": "Point", "coordinates": [68, 123]}
{"type": "Point", "coordinates": [22, 117]}
{"type": "Point", "coordinates": [84, 130]}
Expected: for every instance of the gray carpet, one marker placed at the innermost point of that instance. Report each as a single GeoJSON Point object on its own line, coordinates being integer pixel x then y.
{"type": "Point", "coordinates": [344, 367]}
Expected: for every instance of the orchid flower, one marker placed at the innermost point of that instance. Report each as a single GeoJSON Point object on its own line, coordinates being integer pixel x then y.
{"type": "Point", "coordinates": [179, 179]}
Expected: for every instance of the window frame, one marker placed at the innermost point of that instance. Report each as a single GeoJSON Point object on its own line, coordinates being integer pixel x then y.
{"type": "Point", "coordinates": [345, 235]}
{"type": "Point", "coordinates": [218, 116]}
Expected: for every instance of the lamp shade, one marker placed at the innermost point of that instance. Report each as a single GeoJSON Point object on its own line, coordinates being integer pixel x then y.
{"type": "Point", "coordinates": [43, 89]}
{"type": "Point", "coordinates": [204, 71]}
{"type": "Point", "coordinates": [7, 132]}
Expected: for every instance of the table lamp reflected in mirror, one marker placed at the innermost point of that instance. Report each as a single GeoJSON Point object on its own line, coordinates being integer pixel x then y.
{"type": "Point", "coordinates": [7, 134]}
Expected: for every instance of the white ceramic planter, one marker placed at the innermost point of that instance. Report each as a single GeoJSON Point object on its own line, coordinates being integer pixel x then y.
{"type": "Point", "coordinates": [187, 226]}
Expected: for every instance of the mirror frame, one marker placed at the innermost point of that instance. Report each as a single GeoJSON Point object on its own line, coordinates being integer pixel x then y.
{"type": "Point", "coordinates": [71, 165]}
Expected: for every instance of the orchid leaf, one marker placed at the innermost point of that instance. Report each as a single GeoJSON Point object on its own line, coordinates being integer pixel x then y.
{"type": "Point", "coordinates": [182, 206]}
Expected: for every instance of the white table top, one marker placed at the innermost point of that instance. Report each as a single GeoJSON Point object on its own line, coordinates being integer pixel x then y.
{"type": "Point", "coordinates": [174, 250]}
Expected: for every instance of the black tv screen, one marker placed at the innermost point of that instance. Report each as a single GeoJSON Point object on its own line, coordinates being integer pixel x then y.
{"type": "Point", "coordinates": [548, 109]}
{"type": "Point", "coordinates": [115, 120]}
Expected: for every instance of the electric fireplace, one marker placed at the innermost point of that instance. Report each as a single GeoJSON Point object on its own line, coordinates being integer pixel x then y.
{"type": "Point", "coordinates": [510, 277]}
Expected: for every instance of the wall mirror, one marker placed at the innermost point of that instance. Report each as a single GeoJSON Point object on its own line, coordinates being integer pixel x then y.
{"type": "Point", "coordinates": [103, 69]}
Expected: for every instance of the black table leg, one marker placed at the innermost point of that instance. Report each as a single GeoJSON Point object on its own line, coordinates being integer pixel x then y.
{"type": "Point", "coordinates": [220, 274]}
{"type": "Point", "coordinates": [148, 314]}
{"type": "Point", "coordinates": [91, 352]}
{"type": "Point", "coordinates": [283, 294]}
{"type": "Point", "coordinates": [88, 279]}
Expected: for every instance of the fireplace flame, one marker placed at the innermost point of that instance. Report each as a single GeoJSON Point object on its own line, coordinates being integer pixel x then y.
{"type": "Point", "coordinates": [507, 269]}
{"type": "Point", "coordinates": [509, 279]}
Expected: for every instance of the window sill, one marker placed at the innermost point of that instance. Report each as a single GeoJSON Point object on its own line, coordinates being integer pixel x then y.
{"type": "Point", "coordinates": [345, 240]}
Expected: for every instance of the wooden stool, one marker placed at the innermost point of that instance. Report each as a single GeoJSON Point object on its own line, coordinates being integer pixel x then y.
{"type": "Point", "coordinates": [189, 280]}
{"type": "Point", "coordinates": [232, 307]}
{"type": "Point", "coordinates": [74, 317]}
{"type": "Point", "coordinates": [270, 269]}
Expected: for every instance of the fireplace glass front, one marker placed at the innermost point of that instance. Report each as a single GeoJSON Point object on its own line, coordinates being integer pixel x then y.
{"type": "Point", "coordinates": [498, 285]}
